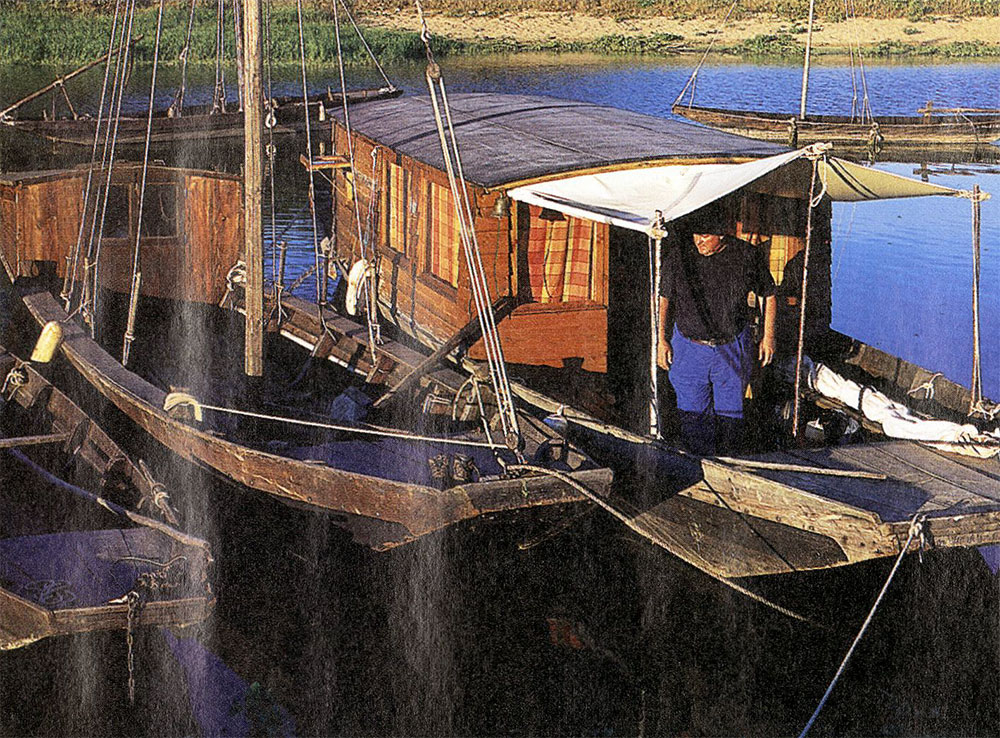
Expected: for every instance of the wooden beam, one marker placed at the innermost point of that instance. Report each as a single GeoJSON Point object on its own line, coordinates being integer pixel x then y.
{"type": "Point", "coordinates": [62, 80]}
{"type": "Point", "coordinates": [33, 440]}
{"type": "Point", "coordinates": [253, 172]}
{"type": "Point", "coordinates": [469, 332]}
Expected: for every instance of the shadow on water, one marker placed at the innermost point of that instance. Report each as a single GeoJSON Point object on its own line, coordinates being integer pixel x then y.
{"type": "Point", "coordinates": [590, 632]}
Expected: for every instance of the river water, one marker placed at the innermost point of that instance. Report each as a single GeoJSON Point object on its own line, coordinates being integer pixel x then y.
{"type": "Point", "coordinates": [591, 632]}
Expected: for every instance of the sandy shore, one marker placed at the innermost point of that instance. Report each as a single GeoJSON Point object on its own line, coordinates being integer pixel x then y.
{"type": "Point", "coordinates": [534, 27]}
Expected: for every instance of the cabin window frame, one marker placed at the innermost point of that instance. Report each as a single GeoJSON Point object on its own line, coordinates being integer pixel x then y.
{"type": "Point", "coordinates": [443, 285]}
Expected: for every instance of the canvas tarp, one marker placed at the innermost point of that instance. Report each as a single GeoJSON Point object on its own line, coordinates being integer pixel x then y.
{"type": "Point", "coordinates": [630, 198]}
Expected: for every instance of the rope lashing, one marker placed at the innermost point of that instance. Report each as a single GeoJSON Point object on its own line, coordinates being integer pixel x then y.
{"type": "Point", "coordinates": [916, 530]}
{"type": "Point", "coordinates": [655, 236]}
{"type": "Point", "coordinates": [176, 400]}
{"type": "Point", "coordinates": [15, 378]}
{"type": "Point", "coordinates": [160, 497]}
{"type": "Point", "coordinates": [927, 387]}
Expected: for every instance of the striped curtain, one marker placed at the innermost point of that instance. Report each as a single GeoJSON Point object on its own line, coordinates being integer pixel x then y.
{"type": "Point", "coordinates": [397, 204]}
{"type": "Point", "coordinates": [560, 251]}
{"type": "Point", "coordinates": [442, 256]}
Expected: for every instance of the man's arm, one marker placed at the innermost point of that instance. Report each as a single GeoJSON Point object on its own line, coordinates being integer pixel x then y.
{"type": "Point", "coordinates": [768, 342]}
{"type": "Point", "coordinates": [664, 351]}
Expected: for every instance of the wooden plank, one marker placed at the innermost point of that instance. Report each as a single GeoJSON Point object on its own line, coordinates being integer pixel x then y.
{"type": "Point", "coordinates": [469, 331]}
{"type": "Point", "coordinates": [860, 532]}
{"type": "Point", "coordinates": [728, 544]}
{"type": "Point", "coordinates": [33, 440]}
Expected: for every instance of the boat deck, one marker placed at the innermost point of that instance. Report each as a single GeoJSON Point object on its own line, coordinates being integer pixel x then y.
{"type": "Point", "coordinates": [743, 521]}
{"type": "Point", "coordinates": [58, 583]}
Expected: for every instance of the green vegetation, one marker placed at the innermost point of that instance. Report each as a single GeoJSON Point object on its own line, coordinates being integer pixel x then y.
{"type": "Point", "coordinates": [65, 33]}
{"type": "Point", "coordinates": [74, 31]}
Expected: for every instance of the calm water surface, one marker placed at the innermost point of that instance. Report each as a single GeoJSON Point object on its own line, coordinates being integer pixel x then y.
{"type": "Point", "coordinates": [591, 632]}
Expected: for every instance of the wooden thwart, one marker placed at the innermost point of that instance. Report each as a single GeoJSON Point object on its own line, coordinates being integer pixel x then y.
{"type": "Point", "coordinates": [34, 440]}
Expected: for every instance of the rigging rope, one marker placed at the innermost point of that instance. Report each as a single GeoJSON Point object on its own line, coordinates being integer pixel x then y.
{"type": "Point", "coordinates": [916, 531]}
{"type": "Point", "coordinates": [692, 80]}
{"type": "Point", "coordinates": [477, 273]}
{"type": "Point", "coordinates": [69, 283]}
{"type": "Point", "coordinates": [177, 108]}
{"type": "Point", "coordinates": [133, 304]}
{"type": "Point", "coordinates": [125, 59]}
{"type": "Point", "coordinates": [219, 94]}
{"type": "Point", "coordinates": [371, 295]}
{"type": "Point", "coordinates": [364, 43]}
{"type": "Point", "coordinates": [372, 430]}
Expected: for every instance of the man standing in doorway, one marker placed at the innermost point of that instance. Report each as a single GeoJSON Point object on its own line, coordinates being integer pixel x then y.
{"type": "Point", "coordinates": [705, 340]}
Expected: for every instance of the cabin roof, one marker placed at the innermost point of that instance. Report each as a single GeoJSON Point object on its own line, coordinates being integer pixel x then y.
{"type": "Point", "coordinates": [508, 138]}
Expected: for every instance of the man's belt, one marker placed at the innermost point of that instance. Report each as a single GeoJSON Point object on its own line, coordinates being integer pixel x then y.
{"type": "Point", "coordinates": [712, 341]}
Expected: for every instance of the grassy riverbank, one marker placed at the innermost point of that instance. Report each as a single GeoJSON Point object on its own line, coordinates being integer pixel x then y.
{"type": "Point", "coordinates": [74, 32]}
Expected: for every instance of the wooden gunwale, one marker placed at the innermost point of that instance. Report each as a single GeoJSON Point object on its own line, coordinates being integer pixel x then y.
{"type": "Point", "coordinates": [196, 122]}
{"type": "Point", "coordinates": [419, 509]}
{"type": "Point", "coordinates": [896, 130]}
{"type": "Point", "coordinates": [24, 621]}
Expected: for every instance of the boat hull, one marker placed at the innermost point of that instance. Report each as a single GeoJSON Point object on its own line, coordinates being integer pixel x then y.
{"type": "Point", "coordinates": [896, 131]}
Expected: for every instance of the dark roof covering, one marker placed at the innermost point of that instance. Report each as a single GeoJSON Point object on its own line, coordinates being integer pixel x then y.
{"type": "Point", "coordinates": [506, 138]}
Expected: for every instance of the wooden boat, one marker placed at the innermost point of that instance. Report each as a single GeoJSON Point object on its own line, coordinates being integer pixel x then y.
{"type": "Point", "coordinates": [385, 484]}
{"type": "Point", "coordinates": [948, 129]}
{"type": "Point", "coordinates": [196, 121]}
{"type": "Point", "coordinates": [936, 128]}
{"type": "Point", "coordinates": [76, 557]}
{"type": "Point", "coordinates": [570, 226]}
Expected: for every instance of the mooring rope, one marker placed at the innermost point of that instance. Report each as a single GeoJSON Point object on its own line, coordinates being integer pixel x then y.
{"type": "Point", "coordinates": [633, 526]}
{"type": "Point", "coordinates": [219, 94]}
{"type": "Point", "coordinates": [916, 531]}
{"type": "Point", "coordinates": [364, 43]}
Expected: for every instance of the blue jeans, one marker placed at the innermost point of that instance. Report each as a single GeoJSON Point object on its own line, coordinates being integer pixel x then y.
{"type": "Point", "coordinates": [710, 383]}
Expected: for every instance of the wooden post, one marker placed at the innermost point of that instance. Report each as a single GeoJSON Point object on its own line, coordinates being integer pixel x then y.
{"type": "Point", "coordinates": [805, 65]}
{"type": "Point", "coordinates": [253, 173]}
{"type": "Point", "coordinates": [977, 375]}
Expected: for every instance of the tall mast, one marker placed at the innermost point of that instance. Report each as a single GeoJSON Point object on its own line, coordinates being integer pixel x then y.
{"type": "Point", "coordinates": [253, 171]}
{"type": "Point", "coordinates": [805, 66]}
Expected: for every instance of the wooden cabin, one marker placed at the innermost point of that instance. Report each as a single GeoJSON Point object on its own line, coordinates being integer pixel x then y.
{"type": "Point", "coordinates": [192, 227]}
{"type": "Point", "coordinates": [580, 285]}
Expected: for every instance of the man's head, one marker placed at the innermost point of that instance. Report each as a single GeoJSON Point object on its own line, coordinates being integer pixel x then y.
{"type": "Point", "coordinates": [708, 243]}
{"type": "Point", "coordinates": [708, 227]}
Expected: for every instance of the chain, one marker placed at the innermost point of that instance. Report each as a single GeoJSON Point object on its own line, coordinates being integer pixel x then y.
{"type": "Point", "coordinates": [134, 600]}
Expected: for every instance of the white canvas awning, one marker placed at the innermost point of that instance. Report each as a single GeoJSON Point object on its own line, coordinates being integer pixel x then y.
{"type": "Point", "coordinates": [630, 198]}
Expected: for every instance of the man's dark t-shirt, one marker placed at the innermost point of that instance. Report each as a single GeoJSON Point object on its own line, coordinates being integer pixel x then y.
{"type": "Point", "coordinates": [708, 294]}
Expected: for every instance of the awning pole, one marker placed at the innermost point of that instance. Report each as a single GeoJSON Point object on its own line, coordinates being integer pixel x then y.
{"type": "Point", "coordinates": [802, 298]}
{"type": "Point", "coordinates": [977, 376]}
{"type": "Point", "coordinates": [655, 276]}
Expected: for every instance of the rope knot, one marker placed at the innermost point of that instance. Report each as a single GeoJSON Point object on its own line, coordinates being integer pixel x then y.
{"type": "Point", "coordinates": [16, 377]}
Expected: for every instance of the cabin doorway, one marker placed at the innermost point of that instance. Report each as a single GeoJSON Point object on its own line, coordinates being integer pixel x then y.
{"type": "Point", "coordinates": [628, 327]}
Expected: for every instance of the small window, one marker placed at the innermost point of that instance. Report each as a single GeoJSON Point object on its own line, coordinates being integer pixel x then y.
{"type": "Point", "coordinates": [397, 201]}
{"type": "Point", "coordinates": [159, 211]}
{"type": "Point", "coordinates": [442, 248]}
{"type": "Point", "coordinates": [560, 256]}
{"type": "Point", "coordinates": [116, 215]}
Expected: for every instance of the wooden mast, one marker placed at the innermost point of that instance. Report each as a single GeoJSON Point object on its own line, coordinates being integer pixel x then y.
{"type": "Point", "coordinates": [805, 66]}
{"type": "Point", "coordinates": [253, 254]}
